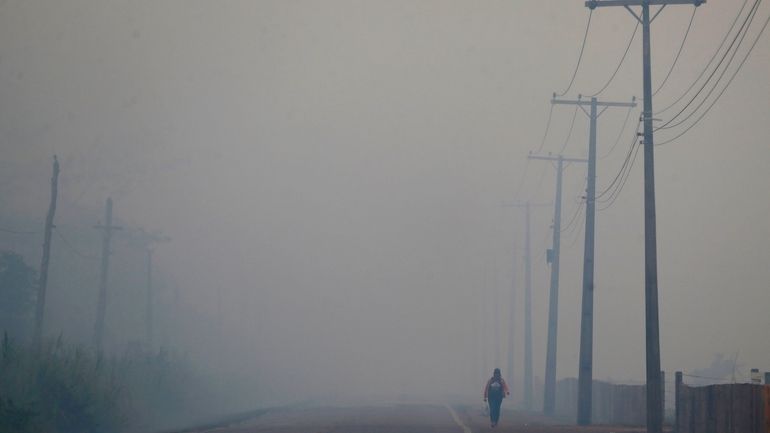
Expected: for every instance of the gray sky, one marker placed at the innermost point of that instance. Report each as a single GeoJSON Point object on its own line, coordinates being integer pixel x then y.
{"type": "Point", "coordinates": [336, 169]}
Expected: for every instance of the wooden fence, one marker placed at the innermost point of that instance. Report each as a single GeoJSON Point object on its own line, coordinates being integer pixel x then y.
{"type": "Point", "coordinates": [730, 408]}
{"type": "Point", "coordinates": [611, 403]}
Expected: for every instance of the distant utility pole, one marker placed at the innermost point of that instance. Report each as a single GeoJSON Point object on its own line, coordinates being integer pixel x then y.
{"type": "Point", "coordinates": [150, 290]}
{"type": "Point", "coordinates": [220, 317]}
{"type": "Point", "coordinates": [527, 315]}
{"type": "Point", "coordinates": [654, 385]}
{"type": "Point", "coordinates": [528, 385]}
{"type": "Point", "coordinates": [148, 240]}
{"type": "Point", "coordinates": [496, 317]}
{"type": "Point", "coordinates": [102, 303]}
{"type": "Point", "coordinates": [149, 300]}
{"type": "Point", "coordinates": [483, 320]}
{"type": "Point", "coordinates": [43, 283]}
{"type": "Point", "coordinates": [549, 395]}
{"type": "Point", "coordinates": [585, 368]}
{"type": "Point", "coordinates": [511, 321]}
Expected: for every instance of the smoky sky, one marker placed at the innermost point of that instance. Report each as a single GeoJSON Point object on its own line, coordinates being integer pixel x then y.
{"type": "Point", "coordinates": [335, 172]}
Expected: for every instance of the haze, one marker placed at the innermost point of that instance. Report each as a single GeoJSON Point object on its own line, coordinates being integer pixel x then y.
{"type": "Point", "coordinates": [331, 176]}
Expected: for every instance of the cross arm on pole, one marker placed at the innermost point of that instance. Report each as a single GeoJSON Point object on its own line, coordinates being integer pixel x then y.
{"type": "Point", "coordinates": [582, 102]}
{"type": "Point", "coordinates": [107, 227]}
{"type": "Point", "coordinates": [524, 204]}
{"type": "Point", "coordinates": [591, 4]}
{"type": "Point", "coordinates": [556, 158]}
{"type": "Point", "coordinates": [658, 12]}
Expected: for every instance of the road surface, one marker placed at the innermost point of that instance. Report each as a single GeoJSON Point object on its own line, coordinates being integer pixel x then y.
{"type": "Point", "coordinates": [403, 418]}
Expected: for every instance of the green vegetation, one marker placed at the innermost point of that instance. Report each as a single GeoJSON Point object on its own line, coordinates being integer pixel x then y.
{"type": "Point", "coordinates": [64, 389]}
{"type": "Point", "coordinates": [17, 292]}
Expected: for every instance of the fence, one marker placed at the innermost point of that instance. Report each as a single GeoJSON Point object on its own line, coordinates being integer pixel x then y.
{"type": "Point", "coordinates": [729, 408]}
{"type": "Point", "coordinates": [611, 403]}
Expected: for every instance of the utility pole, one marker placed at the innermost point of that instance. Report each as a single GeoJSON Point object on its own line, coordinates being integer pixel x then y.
{"type": "Point", "coordinates": [220, 317]}
{"type": "Point", "coordinates": [511, 322]}
{"type": "Point", "coordinates": [549, 395]}
{"type": "Point", "coordinates": [654, 385]}
{"type": "Point", "coordinates": [527, 315]}
{"type": "Point", "coordinates": [149, 301]}
{"type": "Point", "coordinates": [495, 316]}
{"type": "Point", "coordinates": [585, 366]}
{"type": "Point", "coordinates": [147, 241]}
{"type": "Point", "coordinates": [528, 391]}
{"type": "Point", "coordinates": [43, 283]}
{"type": "Point", "coordinates": [102, 303]}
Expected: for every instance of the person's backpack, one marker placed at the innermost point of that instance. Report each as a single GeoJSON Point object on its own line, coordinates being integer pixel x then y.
{"type": "Point", "coordinates": [495, 389]}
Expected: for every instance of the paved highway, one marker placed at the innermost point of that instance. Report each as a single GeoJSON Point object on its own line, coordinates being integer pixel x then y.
{"type": "Point", "coordinates": [403, 418]}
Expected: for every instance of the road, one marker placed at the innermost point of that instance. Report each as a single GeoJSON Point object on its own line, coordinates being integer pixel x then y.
{"type": "Point", "coordinates": [404, 418]}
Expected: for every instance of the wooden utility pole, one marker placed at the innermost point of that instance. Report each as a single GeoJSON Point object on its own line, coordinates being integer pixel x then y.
{"type": "Point", "coordinates": [495, 317]}
{"type": "Point", "coordinates": [512, 324]}
{"type": "Point", "coordinates": [549, 394]}
{"type": "Point", "coordinates": [43, 283]}
{"type": "Point", "coordinates": [149, 302]}
{"type": "Point", "coordinates": [652, 340]}
{"type": "Point", "coordinates": [527, 316]}
{"type": "Point", "coordinates": [585, 365]}
{"type": "Point", "coordinates": [149, 241]}
{"type": "Point", "coordinates": [101, 306]}
{"type": "Point", "coordinates": [528, 382]}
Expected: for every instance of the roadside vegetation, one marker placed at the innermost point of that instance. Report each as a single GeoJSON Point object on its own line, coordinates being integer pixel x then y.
{"type": "Point", "coordinates": [66, 388]}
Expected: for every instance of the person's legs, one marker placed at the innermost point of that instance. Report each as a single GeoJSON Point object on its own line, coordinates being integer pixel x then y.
{"type": "Point", "coordinates": [494, 409]}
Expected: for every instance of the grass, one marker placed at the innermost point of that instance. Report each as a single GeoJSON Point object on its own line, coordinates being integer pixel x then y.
{"type": "Point", "coordinates": [66, 389]}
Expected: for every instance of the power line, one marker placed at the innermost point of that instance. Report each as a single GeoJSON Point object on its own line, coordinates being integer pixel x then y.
{"type": "Point", "coordinates": [623, 184]}
{"type": "Point", "coordinates": [738, 69]}
{"type": "Point", "coordinates": [619, 189]}
{"type": "Point", "coordinates": [580, 57]}
{"type": "Point", "coordinates": [716, 83]}
{"type": "Point", "coordinates": [623, 178]}
{"type": "Point", "coordinates": [539, 183]}
{"type": "Point", "coordinates": [547, 127]}
{"type": "Point", "coordinates": [705, 68]}
{"type": "Point", "coordinates": [740, 34]}
{"type": "Point", "coordinates": [69, 245]}
{"type": "Point", "coordinates": [716, 68]}
{"type": "Point", "coordinates": [573, 218]}
{"type": "Point", "coordinates": [17, 232]}
{"type": "Point", "coordinates": [569, 133]}
{"type": "Point", "coordinates": [623, 166]}
{"type": "Point", "coordinates": [619, 174]}
{"type": "Point", "coordinates": [620, 134]}
{"type": "Point", "coordinates": [620, 63]}
{"type": "Point", "coordinates": [523, 179]}
{"type": "Point", "coordinates": [681, 46]}
{"type": "Point", "coordinates": [542, 145]}
{"type": "Point", "coordinates": [578, 232]}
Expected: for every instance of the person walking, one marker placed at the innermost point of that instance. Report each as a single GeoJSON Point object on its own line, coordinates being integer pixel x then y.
{"type": "Point", "coordinates": [494, 392]}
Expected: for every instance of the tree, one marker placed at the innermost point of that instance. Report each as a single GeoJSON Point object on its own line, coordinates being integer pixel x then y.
{"type": "Point", "coordinates": [17, 293]}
